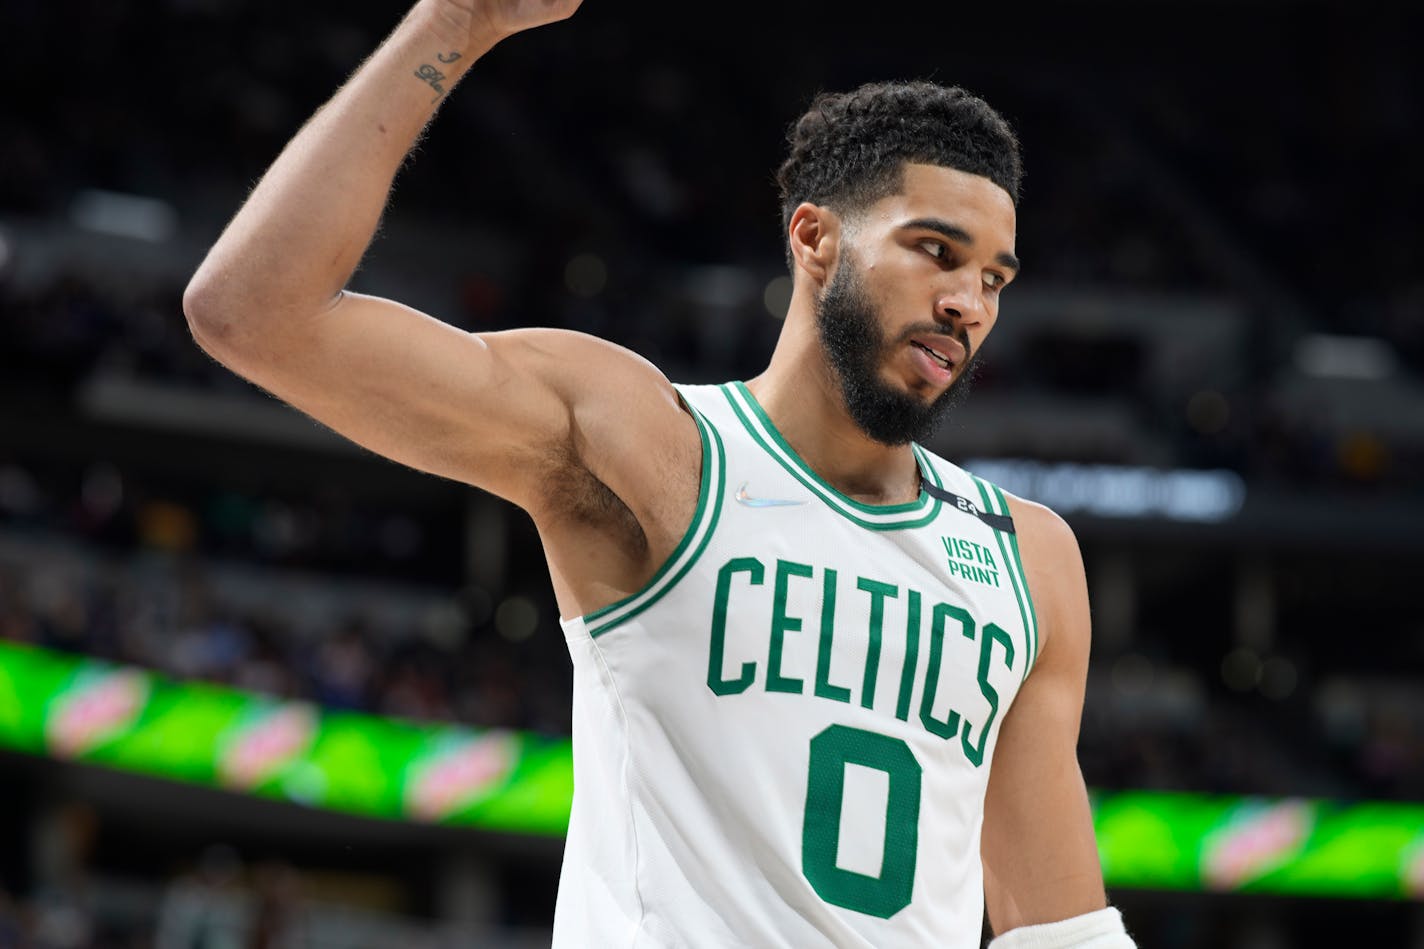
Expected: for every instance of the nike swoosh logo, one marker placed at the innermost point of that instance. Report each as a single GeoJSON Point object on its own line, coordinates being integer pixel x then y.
{"type": "Point", "coordinates": [746, 499]}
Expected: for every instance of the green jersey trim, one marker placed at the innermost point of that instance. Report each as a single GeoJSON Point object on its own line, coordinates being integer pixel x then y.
{"type": "Point", "coordinates": [887, 517]}
{"type": "Point", "coordinates": [689, 549]}
{"type": "Point", "coordinates": [1023, 579]}
{"type": "Point", "coordinates": [995, 502]}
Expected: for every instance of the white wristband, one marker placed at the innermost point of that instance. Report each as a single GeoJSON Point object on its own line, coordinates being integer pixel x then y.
{"type": "Point", "coordinates": [1100, 929]}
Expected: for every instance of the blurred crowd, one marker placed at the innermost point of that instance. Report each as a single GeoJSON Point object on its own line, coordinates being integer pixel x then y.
{"type": "Point", "coordinates": [220, 899]}
{"type": "Point", "coordinates": [323, 526]}
{"type": "Point", "coordinates": [456, 656]}
{"type": "Point", "coordinates": [1345, 738]}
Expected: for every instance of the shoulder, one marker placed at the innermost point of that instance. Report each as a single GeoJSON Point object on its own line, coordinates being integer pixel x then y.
{"type": "Point", "coordinates": [1040, 527]}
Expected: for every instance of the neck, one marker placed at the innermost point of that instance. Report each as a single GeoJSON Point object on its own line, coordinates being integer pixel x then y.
{"type": "Point", "coordinates": [800, 393]}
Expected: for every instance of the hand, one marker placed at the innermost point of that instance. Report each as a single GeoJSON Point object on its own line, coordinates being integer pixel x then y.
{"type": "Point", "coordinates": [479, 22]}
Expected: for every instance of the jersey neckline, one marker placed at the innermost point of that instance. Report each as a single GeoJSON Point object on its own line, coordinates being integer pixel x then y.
{"type": "Point", "coordinates": [764, 432]}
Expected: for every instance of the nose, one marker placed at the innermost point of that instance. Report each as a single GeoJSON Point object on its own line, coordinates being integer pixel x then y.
{"type": "Point", "coordinates": [959, 301]}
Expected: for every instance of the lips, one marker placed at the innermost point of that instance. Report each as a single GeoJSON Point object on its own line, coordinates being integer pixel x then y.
{"type": "Point", "coordinates": [930, 368]}
{"type": "Point", "coordinates": [942, 361]}
{"type": "Point", "coordinates": [945, 351]}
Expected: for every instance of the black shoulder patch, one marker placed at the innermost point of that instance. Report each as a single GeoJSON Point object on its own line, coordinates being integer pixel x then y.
{"type": "Point", "coordinates": [1000, 522]}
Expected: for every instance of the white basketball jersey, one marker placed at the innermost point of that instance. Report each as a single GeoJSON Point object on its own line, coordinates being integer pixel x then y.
{"type": "Point", "coordinates": [784, 738]}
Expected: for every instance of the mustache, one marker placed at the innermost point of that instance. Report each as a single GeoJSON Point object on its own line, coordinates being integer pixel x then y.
{"type": "Point", "coordinates": [935, 329]}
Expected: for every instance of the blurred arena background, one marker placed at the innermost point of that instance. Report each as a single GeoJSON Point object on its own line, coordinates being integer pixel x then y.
{"type": "Point", "coordinates": [258, 688]}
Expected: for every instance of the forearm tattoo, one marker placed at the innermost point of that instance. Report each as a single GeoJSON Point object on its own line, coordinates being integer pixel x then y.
{"type": "Point", "coordinates": [433, 77]}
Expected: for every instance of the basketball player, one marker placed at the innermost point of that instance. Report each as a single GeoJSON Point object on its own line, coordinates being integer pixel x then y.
{"type": "Point", "coordinates": [827, 685]}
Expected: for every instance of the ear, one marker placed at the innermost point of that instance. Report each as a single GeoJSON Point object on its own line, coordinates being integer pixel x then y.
{"type": "Point", "coordinates": [815, 235]}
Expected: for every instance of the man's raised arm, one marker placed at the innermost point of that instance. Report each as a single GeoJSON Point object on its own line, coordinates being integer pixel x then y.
{"type": "Point", "coordinates": [268, 300]}
{"type": "Point", "coordinates": [293, 246]}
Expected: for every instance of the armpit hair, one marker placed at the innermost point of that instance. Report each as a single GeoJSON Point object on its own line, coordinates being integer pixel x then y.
{"type": "Point", "coordinates": [574, 493]}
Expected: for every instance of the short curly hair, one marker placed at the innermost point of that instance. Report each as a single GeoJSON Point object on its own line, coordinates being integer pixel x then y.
{"type": "Point", "coordinates": [850, 149]}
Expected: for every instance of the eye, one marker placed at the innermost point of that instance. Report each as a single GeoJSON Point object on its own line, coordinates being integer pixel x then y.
{"type": "Point", "coordinates": [994, 281]}
{"type": "Point", "coordinates": [935, 249]}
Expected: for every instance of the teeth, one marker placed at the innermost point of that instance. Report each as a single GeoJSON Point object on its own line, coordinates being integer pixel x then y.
{"type": "Point", "coordinates": [934, 355]}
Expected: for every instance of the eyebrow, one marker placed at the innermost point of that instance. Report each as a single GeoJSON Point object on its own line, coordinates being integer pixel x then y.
{"type": "Point", "coordinates": [959, 235]}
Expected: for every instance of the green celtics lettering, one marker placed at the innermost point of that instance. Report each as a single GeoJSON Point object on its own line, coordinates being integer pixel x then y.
{"type": "Point", "coordinates": [743, 577]}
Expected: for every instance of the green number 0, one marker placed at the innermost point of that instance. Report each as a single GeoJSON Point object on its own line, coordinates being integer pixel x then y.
{"type": "Point", "coordinates": [831, 751]}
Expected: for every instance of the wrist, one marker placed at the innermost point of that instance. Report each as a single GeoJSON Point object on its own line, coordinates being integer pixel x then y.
{"type": "Point", "coordinates": [1100, 929]}
{"type": "Point", "coordinates": [456, 28]}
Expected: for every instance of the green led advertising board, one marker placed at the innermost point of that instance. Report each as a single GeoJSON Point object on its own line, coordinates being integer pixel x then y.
{"type": "Point", "coordinates": [1296, 846]}
{"type": "Point", "coordinates": [80, 709]}
{"type": "Point", "coordinates": [84, 710]}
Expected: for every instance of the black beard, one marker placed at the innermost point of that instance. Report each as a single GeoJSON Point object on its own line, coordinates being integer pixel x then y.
{"type": "Point", "coordinates": [849, 327]}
